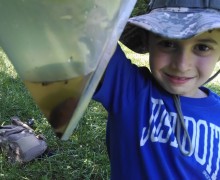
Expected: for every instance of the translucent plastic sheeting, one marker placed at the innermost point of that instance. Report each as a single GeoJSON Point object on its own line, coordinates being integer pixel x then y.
{"type": "Point", "coordinates": [60, 49]}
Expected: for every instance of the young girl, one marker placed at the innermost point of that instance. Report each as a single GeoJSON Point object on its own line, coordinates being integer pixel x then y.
{"type": "Point", "coordinates": [163, 123]}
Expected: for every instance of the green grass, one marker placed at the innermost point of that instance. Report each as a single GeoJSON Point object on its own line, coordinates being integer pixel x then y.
{"type": "Point", "coordinates": [83, 156]}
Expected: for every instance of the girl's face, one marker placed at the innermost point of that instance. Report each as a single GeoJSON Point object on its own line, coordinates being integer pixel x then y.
{"type": "Point", "coordinates": [182, 66]}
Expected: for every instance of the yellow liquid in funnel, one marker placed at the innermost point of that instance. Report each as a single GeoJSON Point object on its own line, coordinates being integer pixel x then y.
{"type": "Point", "coordinates": [58, 100]}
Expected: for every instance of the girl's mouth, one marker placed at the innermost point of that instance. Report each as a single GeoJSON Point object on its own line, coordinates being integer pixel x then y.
{"type": "Point", "coordinates": [178, 80]}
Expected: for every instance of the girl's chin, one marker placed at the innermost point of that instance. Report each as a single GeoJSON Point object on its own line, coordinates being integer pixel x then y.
{"type": "Point", "coordinates": [183, 91]}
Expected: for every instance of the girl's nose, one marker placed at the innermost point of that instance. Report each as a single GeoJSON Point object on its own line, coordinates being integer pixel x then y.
{"type": "Point", "coordinates": [182, 60]}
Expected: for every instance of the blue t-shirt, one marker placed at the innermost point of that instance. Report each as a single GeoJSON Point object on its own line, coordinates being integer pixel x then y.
{"type": "Point", "coordinates": [142, 122]}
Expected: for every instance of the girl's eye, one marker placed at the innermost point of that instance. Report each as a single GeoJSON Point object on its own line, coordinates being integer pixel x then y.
{"type": "Point", "coordinates": [167, 45]}
{"type": "Point", "coordinates": [202, 49]}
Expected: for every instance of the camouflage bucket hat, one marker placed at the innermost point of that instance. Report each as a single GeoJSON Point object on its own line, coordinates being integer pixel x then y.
{"type": "Point", "coordinates": [176, 19]}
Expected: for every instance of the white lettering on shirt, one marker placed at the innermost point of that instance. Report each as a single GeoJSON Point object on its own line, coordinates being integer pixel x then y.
{"type": "Point", "coordinates": [205, 137]}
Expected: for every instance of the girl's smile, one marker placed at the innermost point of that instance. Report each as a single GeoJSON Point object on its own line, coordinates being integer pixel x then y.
{"type": "Point", "coordinates": [182, 66]}
{"type": "Point", "coordinates": [178, 80]}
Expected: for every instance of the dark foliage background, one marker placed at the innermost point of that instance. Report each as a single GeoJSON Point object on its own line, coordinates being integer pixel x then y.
{"type": "Point", "coordinates": [140, 7]}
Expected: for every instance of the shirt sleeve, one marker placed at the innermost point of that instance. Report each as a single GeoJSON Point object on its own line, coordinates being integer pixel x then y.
{"type": "Point", "coordinates": [121, 81]}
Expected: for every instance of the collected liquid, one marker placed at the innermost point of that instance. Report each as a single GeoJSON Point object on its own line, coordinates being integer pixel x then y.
{"type": "Point", "coordinates": [58, 99]}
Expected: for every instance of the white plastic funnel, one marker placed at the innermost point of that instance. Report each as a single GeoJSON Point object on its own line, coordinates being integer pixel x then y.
{"type": "Point", "coordinates": [60, 49]}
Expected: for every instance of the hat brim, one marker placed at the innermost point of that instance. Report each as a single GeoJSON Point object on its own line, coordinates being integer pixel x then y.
{"type": "Point", "coordinates": [174, 23]}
